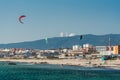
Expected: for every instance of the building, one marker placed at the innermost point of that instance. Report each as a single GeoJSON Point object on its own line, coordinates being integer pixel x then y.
{"type": "Point", "coordinates": [87, 45]}
{"type": "Point", "coordinates": [104, 50]}
{"type": "Point", "coordinates": [101, 48]}
{"type": "Point", "coordinates": [76, 47]}
{"type": "Point", "coordinates": [116, 49]}
{"type": "Point", "coordinates": [88, 48]}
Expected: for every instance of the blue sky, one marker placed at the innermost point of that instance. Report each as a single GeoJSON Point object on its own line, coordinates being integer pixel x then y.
{"type": "Point", "coordinates": [48, 18]}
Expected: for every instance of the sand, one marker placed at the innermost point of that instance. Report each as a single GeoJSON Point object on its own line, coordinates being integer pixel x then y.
{"type": "Point", "coordinates": [114, 64]}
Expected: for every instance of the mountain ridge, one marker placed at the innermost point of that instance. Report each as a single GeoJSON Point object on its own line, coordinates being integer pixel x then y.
{"type": "Point", "coordinates": [67, 42]}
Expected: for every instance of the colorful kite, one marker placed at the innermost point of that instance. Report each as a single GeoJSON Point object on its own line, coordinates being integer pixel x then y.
{"type": "Point", "coordinates": [20, 18]}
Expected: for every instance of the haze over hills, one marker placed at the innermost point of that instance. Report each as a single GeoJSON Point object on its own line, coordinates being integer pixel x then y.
{"type": "Point", "coordinates": [67, 42]}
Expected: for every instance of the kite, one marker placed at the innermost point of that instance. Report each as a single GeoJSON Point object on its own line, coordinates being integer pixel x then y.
{"type": "Point", "coordinates": [20, 18]}
{"type": "Point", "coordinates": [46, 40]}
{"type": "Point", "coordinates": [81, 37]}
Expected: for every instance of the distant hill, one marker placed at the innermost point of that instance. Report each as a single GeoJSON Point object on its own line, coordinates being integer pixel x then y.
{"type": "Point", "coordinates": [67, 42]}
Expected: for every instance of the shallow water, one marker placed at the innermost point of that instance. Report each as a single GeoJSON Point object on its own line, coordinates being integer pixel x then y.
{"type": "Point", "coordinates": [54, 72]}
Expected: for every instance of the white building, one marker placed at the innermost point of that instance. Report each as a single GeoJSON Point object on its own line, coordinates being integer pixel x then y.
{"type": "Point", "coordinates": [87, 45]}
{"type": "Point", "coordinates": [76, 47]}
{"type": "Point", "coordinates": [101, 48]}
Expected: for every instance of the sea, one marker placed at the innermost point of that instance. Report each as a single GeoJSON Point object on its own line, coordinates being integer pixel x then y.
{"type": "Point", "coordinates": [28, 71]}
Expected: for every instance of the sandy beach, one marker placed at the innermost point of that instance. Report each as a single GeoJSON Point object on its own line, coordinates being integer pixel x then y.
{"type": "Point", "coordinates": [114, 64]}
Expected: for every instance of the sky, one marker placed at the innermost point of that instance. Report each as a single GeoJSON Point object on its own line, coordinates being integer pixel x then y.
{"type": "Point", "coordinates": [48, 18]}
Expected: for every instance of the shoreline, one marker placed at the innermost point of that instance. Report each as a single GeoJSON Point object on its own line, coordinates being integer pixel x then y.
{"type": "Point", "coordinates": [95, 63]}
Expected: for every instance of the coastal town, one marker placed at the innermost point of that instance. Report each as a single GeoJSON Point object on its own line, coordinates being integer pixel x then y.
{"type": "Point", "coordinates": [87, 51]}
{"type": "Point", "coordinates": [86, 55]}
{"type": "Point", "coordinates": [60, 40]}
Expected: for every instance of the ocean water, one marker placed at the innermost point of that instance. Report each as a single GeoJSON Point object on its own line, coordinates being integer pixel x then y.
{"type": "Point", "coordinates": [54, 72]}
